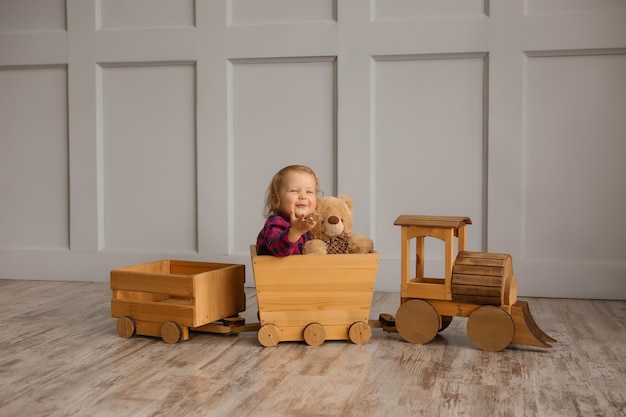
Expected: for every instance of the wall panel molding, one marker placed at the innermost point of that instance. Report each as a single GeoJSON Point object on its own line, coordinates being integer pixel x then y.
{"type": "Point", "coordinates": [562, 143]}
{"type": "Point", "coordinates": [34, 158]}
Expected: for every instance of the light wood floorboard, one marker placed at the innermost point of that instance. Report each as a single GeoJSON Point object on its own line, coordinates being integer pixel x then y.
{"type": "Point", "coordinates": [61, 356]}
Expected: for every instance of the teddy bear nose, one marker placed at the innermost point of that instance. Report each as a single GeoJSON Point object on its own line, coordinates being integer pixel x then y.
{"type": "Point", "coordinates": [333, 220]}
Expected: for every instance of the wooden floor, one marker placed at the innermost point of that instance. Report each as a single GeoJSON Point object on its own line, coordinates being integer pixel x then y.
{"type": "Point", "coordinates": [61, 356]}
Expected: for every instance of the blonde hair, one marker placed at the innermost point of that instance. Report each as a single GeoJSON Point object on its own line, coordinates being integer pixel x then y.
{"type": "Point", "coordinates": [273, 190]}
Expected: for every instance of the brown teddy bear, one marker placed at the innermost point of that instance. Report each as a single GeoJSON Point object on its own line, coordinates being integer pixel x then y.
{"type": "Point", "coordinates": [333, 232]}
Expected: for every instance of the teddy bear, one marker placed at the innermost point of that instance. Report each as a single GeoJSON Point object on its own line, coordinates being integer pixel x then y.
{"type": "Point", "coordinates": [333, 232]}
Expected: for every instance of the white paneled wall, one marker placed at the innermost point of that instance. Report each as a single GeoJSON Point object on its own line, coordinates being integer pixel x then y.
{"type": "Point", "coordinates": [135, 130]}
{"type": "Point", "coordinates": [34, 158]}
{"type": "Point", "coordinates": [149, 158]}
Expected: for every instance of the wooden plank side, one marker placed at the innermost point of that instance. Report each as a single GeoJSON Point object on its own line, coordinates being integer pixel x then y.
{"type": "Point", "coordinates": [475, 290]}
{"type": "Point", "coordinates": [495, 262]}
{"type": "Point", "coordinates": [320, 263]}
{"type": "Point", "coordinates": [314, 295]}
{"type": "Point", "coordinates": [314, 306]}
{"type": "Point", "coordinates": [330, 308]}
{"type": "Point", "coordinates": [457, 309]}
{"type": "Point", "coordinates": [486, 259]}
{"type": "Point", "coordinates": [156, 267]}
{"type": "Point", "coordinates": [480, 270]}
{"type": "Point", "coordinates": [483, 255]}
{"type": "Point", "coordinates": [178, 267]}
{"type": "Point", "coordinates": [481, 280]}
{"type": "Point", "coordinates": [336, 282]}
{"type": "Point", "coordinates": [476, 299]}
{"type": "Point", "coordinates": [330, 289]}
{"type": "Point", "coordinates": [424, 290]}
{"type": "Point", "coordinates": [138, 296]}
{"type": "Point", "coordinates": [314, 302]}
{"type": "Point", "coordinates": [159, 312]}
{"type": "Point", "coordinates": [321, 274]}
{"type": "Point", "coordinates": [326, 271]}
{"type": "Point", "coordinates": [219, 293]}
{"type": "Point", "coordinates": [438, 233]}
{"type": "Point", "coordinates": [152, 283]}
{"type": "Point", "coordinates": [324, 317]}
{"type": "Point", "coordinates": [148, 328]}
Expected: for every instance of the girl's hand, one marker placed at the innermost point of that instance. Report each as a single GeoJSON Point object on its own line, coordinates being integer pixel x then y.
{"type": "Point", "coordinates": [301, 225]}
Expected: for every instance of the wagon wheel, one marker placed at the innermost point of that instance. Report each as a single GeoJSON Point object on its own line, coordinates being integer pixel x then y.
{"type": "Point", "coordinates": [314, 334]}
{"type": "Point", "coordinates": [360, 332]}
{"type": "Point", "coordinates": [445, 322]}
{"type": "Point", "coordinates": [171, 332]}
{"type": "Point", "coordinates": [417, 321]}
{"type": "Point", "coordinates": [269, 335]}
{"type": "Point", "coordinates": [126, 326]}
{"type": "Point", "coordinates": [490, 328]}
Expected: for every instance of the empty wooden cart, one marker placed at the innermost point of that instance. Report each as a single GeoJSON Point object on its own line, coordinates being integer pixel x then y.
{"type": "Point", "coordinates": [167, 298]}
{"type": "Point", "coordinates": [314, 297]}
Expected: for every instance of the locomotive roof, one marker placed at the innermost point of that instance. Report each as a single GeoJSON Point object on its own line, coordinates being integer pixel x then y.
{"type": "Point", "coordinates": [443, 222]}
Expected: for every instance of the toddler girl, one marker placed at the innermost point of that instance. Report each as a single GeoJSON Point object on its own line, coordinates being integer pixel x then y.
{"type": "Point", "coordinates": [290, 201]}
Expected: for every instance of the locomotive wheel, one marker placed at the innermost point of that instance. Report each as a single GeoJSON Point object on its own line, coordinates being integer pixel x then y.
{"type": "Point", "coordinates": [171, 332]}
{"type": "Point", "coordinates": [490, 328]}
{"type": "Point", "coordinates": [126, 326]}
{"type": "Point", "coordinates": [445, 322]}
{"type": "Point", "coordinates": [360, 332]}
{"type": "Point", "coordinates": [417, 321]}
{"type": "Point", "coordinates": [314, 334]}
{"type": "Point", "coordinates": [269, 335]}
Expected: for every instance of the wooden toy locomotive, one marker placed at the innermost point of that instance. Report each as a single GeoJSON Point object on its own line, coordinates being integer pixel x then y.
{"type": "Point", "coordinates": [478, 285]}
{"type": "Point", "coordinates": [328, 297]}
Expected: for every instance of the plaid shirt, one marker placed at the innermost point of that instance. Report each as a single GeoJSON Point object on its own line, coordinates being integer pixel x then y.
{"type": "Point", "coordinates": [274, 238]}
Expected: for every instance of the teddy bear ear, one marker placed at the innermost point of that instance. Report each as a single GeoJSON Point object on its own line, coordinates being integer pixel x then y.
{"type": "Point", "coordinates": [346, 198]}
{"type": "Point", "coordinates": [321, 202]}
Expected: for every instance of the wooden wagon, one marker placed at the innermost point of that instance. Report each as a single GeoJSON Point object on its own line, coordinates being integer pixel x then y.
{"type": "Point", "coordinates": [167, 298]}
{"type": "Point", "coordinates": [314, 297]}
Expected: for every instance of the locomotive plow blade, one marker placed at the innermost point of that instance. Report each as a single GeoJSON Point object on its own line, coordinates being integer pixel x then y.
{"type": "Point", "coordinates": [527, 332]}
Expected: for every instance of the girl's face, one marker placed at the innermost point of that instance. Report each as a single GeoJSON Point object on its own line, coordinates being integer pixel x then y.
{"type": "Point", "coordinates": [297, 194]}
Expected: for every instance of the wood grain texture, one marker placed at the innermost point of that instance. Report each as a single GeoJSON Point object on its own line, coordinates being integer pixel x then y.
{"type": "Point", "coordinates": [61, 356]}
{"type": "Point", "coordinates": [334, 291]}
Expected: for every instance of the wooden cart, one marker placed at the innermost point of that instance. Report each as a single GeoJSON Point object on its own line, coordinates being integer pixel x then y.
{"type": "Point", "coordinates": [167, 298]}
{"type": "Point", "coordinates": [314, 297]}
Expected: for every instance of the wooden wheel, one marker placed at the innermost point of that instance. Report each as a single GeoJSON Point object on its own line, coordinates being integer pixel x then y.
{"type": "Point", "coordinates": [126, 326]}
{"type": "Point", "coordinates": [269, 335]}
{"type": "Point", "coordinates": [490, 328]}
{"type": "Point", "coordinates": [171, 332]}
{"type": "Point", "coordinates": [417, 321]}
{"type": "Point", "coordinates": [445, 322]}
{"type": "Point", "coordinates": [360, 332]}
{"type": "Point", "coordinates": [234, 321]}
{"type": "Point", "coordinates": [314, 334]}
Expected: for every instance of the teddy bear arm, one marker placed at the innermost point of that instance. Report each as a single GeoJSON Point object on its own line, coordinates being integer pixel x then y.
{"type": "Point", "coordinates": [315, 247]}
{"type": "Point", "coordinates": [359, 243]}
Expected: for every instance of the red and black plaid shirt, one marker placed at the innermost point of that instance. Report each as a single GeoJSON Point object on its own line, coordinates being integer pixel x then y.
{"type": "Point", "coordinates": [274, 238]}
